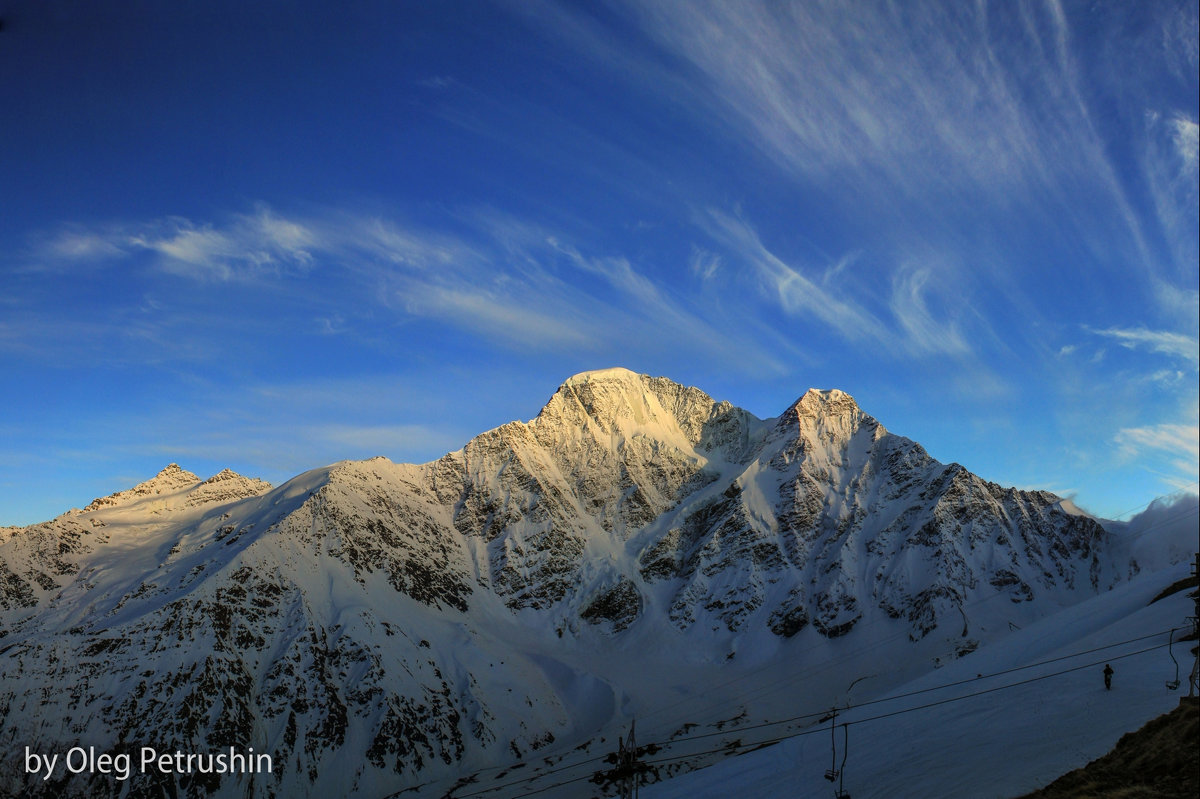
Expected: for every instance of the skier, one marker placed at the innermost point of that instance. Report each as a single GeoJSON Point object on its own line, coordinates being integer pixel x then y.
{"type": "Point", "coordinates": [1108, 673]}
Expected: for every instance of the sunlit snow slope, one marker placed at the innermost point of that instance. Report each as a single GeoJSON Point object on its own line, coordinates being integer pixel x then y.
{"type": "Point", "coordinates": [637, 550]}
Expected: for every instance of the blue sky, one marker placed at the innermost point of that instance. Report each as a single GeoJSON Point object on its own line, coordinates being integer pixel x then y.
{"type": "Point", "coordinates": [274, 237]}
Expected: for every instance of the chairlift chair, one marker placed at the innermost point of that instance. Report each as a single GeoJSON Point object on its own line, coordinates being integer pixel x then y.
{"type": "Point", "coordinates": [1173, 685]}
{"type": "Point", "coordinates": [840, 792]}
{"type": "Point", "coordinates": [832, 772]}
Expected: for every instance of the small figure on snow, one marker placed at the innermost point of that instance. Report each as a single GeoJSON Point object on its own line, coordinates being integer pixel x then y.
{"type": "Point", "coordinates": [1108, 673]}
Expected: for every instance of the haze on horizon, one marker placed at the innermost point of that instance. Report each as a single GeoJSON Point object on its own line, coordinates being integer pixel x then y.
{"type": "Point", "coordinates": [273, 237]}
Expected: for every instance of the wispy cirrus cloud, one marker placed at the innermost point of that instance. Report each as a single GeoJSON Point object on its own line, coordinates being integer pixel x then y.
{"type": "Point", "coordinates": [1179, 443]}
{"type": "Point", "coordinates": [924, 97]}
{"type": "Point", "coordinates": [243, 247]}
{"type": "Point", "coordinates": [795, 291]}
{"type": "Point", "coordinates": [910, 303]}
{"type": "Point", "coordinates": [500, 315]}
{"type": "Point", "coordinates": [247, 246]}
{"type": "Point", "coordinates": [509, 282]}
{"type": "Point", "coordinates": [74, 245]}
{"type": "Point", "coordinates": [1169, 162]}
{"type": "Point", "coordinates": [1186, 134]}
{"type": "Point", "coordinates": [1162, 341]}
{"type": "Point", "coordinates": [704, 264]}
{"type": "Point", "coordinates": [955, 127]}
{"type": "Point", "coordinates": [923, 320]}
{"type": "Point", "coordinates": [1180, 439]}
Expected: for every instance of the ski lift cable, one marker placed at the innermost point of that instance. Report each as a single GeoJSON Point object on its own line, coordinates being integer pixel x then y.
{"type": "Point", "coordinates": [799, 734]}
{"type": "Point", "coordinates": [820, 713]}
{"type": "Point", "coordinates": [791, 677]}
{"type": "Point", "coordinates": [815, 730]}
{"type": "Point", "coordinates": [817, 714]}
{"type": "Point", "coordinates": [786, 679]}
{"type": "Point", "coordinates": [535, 791]}
{"type": "Point", "coordinates": [769, 741]}
{"type": "Point", "coordinates": [922, 690]}
{"type": "Point", "coordinates": [1011, 685]}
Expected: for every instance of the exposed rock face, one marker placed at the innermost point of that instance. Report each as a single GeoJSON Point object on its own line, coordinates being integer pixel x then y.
{"type": "Point", "coordinates": [609, 453]}
{"type": "Point", "coordinates": [226, 486]}
{"type": "Point", "coordinates": [417, 618]}
{"type": "Point", "coordinates": [835, 513]}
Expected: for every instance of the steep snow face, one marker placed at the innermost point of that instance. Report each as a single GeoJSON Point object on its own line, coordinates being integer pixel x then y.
{"type": "Point", "coordinates": [625, 405]}
{"type": "Point", "coordinates": [635, 539]}
{"type": "Point", "coordinates": [836, 518]}
{"type": "Point", "coordinates": [608, 454]}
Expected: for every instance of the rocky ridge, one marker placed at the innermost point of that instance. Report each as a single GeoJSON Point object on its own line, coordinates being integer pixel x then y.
{"type": "Point", "coordinates": [168, 481]}
{"type": "Point", "coordinates": [41, 559]}
{"type": "Point", "coordinates": [425, 618]}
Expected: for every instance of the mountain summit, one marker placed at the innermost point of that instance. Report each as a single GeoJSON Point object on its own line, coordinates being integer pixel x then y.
{"type": "Point", "coordinates": [225, 486]}
{"type": "Point", "coordinates": [170, 479]}
{"type": "Point", "coordinates": [635, 539]}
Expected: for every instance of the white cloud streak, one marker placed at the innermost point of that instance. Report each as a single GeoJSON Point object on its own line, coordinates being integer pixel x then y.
{"type": "Point", "coordinates": [1162, 341]}
{"type": "Point", "coordinates": [509, 282]}
{"type": "Point", "coordinates": [925, 333]}
{"type": "Point", "coordinates": [916, 116]}
{"type": "Point", "coordinates": [72, 245]}
{"type": "Point", "coordinates": [922, 325]}
{"type": "Point", "coordinates": [1179, 444]}
{"type": "Point", "coordinates": [795, 292]}
{"type": "Point", "coordinates": [498, 315]}
{"type": "Point", "coordinates": [921, 95]}
{"type": "Point", "coordinates": [704, 264]}
{"type": "Point", "coordinates": [1170, 165]}
{"type": "Point", "coordinates": [246, 247]}
{"type": "Point", "coordinates": [1186, 134]}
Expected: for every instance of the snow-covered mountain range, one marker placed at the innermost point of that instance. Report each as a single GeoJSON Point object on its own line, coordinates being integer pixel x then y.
{"type": "Point", "coordinates": [637, 550]}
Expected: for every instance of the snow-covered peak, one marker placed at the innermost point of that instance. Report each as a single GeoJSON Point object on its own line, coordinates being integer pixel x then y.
{"type": "Point", "coordinates": [222, 476]}
{"type": "Point", "coordinates": [622, 402]}
{"type": "Point", "coordinates": [832, 413]}
{"type": "Point", "coordinates": [171, 479]}
{"type": "Point", "coordinates": [178, 487]}
{"type": "Point", "coordinates": [226, 486]}
{"type": "Point", "coordinates": [818, 401]}
{"type": "Point", "coordinates": [614, 374]}
{"type": "Point", "coordinates": [524, 594]}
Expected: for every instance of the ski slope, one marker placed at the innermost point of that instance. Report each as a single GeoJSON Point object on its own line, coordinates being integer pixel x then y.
{"type": "Point", "coordinates": [999, 744]}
